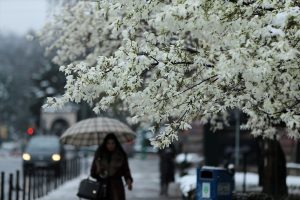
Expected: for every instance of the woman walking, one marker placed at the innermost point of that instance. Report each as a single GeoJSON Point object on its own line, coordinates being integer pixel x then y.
{"type": "Point", "coordinates": [110, 164]}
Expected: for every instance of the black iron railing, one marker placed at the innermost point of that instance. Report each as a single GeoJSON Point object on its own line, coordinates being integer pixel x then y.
{"type": "Point", "coordinates": [36, 183]}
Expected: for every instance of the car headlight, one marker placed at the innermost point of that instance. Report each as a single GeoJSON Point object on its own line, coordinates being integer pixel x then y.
{"type": "Point", "coordinates": [56, 157]}
{"type": "Point", "coordinates": [26, 156]}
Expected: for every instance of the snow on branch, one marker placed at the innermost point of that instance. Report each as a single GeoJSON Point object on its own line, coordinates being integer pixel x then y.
{"type": "Point", "coordinates": [184, 60]}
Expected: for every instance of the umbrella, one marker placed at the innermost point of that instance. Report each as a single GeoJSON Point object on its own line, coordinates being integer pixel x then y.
{"type": "Point", "coordinates": [93, 130]}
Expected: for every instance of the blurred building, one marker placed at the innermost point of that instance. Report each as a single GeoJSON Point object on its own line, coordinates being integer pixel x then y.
{"type": "Point", "coordinates": [218, 148]}
{"type": "Point", "coordinates": [3, 132]}
{"type": "Point", "coordinates": [191, 141]}
{"type": "Point", "coordinates": [56, 121]}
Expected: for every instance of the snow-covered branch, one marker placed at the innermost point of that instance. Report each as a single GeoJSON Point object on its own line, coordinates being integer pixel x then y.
{"type": "Point", "coordinates": [184, 59]}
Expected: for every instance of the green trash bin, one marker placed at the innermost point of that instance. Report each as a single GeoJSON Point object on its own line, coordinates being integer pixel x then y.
{"type": "Point", "coordinates": [214, 183]}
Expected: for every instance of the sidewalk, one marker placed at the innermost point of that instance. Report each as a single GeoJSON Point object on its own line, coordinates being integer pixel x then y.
{"type": "Point", "coordinates": [145, 187]}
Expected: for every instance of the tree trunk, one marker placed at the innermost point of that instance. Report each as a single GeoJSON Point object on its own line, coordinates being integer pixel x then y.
{"type": "Point", "coordinates": [272, 168]}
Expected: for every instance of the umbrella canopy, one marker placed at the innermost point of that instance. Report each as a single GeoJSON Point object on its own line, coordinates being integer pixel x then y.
{"type": "Point", "coordinates": [93, 130]}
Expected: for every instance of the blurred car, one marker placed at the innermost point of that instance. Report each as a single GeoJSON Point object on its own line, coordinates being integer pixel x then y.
{"type": "Point", "coordinates": [43, 151]}
{"type": "Point", "coordinates": [10, 149]}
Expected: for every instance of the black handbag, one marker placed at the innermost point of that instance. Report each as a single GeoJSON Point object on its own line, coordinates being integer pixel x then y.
{"type": "Point", "coordinates": [89, 189]}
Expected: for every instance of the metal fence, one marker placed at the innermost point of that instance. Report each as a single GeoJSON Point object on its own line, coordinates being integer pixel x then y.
{"type": "Point", "coordinates": [37, 183]}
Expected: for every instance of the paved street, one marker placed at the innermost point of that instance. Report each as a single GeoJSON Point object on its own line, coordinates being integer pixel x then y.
{"type": "Point", "coordinates": [146, 180]}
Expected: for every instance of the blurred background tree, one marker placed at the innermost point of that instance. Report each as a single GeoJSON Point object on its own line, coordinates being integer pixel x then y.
{"type": "Point", "coordinates": [27, 77]}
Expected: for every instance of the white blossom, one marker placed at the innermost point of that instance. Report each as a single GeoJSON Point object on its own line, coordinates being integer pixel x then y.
{"type": "Point", "coordinates": [173, 62]}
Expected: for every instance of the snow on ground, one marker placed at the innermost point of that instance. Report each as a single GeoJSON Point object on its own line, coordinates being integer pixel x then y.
{"type": "Point", "coordinates": [189, 182]}
{"type": "Point", "coordinates": [188, 157]}
{"type": "Point", "coordinates": [293, 165]}
{"type": "Point", "coordinates": [186, 183]}
{"type": "Point", "coordinates": [67, 191]}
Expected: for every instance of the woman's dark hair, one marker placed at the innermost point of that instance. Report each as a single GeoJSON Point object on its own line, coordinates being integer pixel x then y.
{"type": "Point", "coordinates": [102, 148]}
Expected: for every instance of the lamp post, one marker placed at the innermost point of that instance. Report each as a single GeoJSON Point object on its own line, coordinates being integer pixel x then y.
{"type": "Point", "coordinates": [237, 137]}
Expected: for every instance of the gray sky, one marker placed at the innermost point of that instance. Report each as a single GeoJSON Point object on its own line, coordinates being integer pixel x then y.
{"type": "Point", "coordinates": [19, 16]}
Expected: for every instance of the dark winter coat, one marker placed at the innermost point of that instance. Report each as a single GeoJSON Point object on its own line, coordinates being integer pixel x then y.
{"type": "Point", "coordinates": [113, 167]}
{"type": "Point", "coordinates": [167, 164]}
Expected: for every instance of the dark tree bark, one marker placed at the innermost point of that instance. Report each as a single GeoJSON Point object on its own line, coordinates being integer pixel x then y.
{"type": "Point", "coordinates": [260, 160]}
{"type": "Point", "coordinates": [272, 168]}
{"type": "Point", "coordinates": [298, 152]}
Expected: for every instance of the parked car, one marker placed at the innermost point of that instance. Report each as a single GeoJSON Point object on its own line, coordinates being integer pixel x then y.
{"type": "Point", "coordinates": [10, 149]}
{"type": "Point", "coordinates": [45, 152]}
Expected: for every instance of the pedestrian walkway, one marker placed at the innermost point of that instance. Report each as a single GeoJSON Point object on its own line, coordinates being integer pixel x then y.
{"type": "Point", "coordinates": [146, 180]}
{"type": "Point", "coordinates": [145, 187]}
